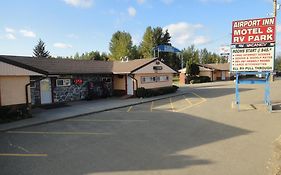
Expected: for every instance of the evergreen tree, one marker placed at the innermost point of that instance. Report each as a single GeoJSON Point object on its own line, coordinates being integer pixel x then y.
{"type": "Point", "coordinates": [120, 45]}
{"type": "Point", "coordinates": [147, 43]}
{"type": "Point", "coordinates": [152, 38]}
{"type": "Point", "coordinates": [39, 50]}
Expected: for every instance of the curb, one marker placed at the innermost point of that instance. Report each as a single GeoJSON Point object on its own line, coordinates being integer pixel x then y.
{"type": "Point", "coordinates": [88, 113]}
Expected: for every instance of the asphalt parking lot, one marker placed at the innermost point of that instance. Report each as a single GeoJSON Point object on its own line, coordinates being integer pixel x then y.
{"type": "Point", "coordinates": [196, 133]}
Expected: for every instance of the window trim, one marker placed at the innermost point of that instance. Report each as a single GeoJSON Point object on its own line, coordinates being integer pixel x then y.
{"type": "Point", "coordinates": [66, 82]}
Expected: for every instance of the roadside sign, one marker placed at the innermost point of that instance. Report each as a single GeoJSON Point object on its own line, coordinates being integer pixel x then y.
{"type": "Point", "coordinates": [252, 59]}
{"type": "Point", "coordinates": [253, 31]}
{"type": "Point", "coordinates": [253, 45]}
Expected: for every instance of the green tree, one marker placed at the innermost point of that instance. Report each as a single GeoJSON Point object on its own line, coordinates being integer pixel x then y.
{"type": "Point", "coordinates": [135, 54]}
{"type": "Point", "coordinates": [94, 55]}
{"type": "Point", "coordinates": [120, 45]}
{"type": "Point", "coordinates": [277, 63]}
{"type": "Point", "coordinates": [152, 38]}
{"type": "Point", "coordinates": [147, 43]}
{"type": "Point", "coordinates": [191, 55]}
{"type": "Point", "coordinates": [39, 50]}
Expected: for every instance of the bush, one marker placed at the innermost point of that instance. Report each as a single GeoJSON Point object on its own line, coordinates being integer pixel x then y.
{"type": "Point", "coordinates": [13, 113]}
{"type": "Point", "coordinates": [142, 92]}
{"type": "Point", "coordinates": [201, 79]}
{"type": "Point", "coordinates": [204, 79]}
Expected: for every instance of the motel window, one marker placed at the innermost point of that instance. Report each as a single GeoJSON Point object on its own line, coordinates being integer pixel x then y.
{"type": "Point", "coordinates": [63, 82]}
{"type": "Point", "coordinates": [154, 79]}
{"type": "Point", "coordinates": [164, 78]}
{"type": "Point", "coordinates": [147, 79]}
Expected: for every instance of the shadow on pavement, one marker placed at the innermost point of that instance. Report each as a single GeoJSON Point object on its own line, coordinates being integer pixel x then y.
{"type": "Point", "coordinates": [160, 143]}
{"type": "Point", "coordinates": [217, 92]}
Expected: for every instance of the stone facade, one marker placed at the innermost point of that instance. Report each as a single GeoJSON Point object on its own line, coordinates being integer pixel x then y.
{"type": "Point", "coordinates": [69, 93]}
{"type": "Point", "coordinates": [73, 92]}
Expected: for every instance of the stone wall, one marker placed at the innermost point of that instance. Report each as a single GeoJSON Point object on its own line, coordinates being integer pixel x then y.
{"type": "Point", "coordinates": [73, 92]}
{"type": "Point", "coordinates": [69, 93]}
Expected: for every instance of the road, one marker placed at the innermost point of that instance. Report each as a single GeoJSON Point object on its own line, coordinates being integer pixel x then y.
{"type": "Point", "coordinates": [196, 133]}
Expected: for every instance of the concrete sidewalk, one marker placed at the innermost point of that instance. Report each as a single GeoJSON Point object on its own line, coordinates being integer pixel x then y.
{"type": "Point", "coordinates": [79, 108]}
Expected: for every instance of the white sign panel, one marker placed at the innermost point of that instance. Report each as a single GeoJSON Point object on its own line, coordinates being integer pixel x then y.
{"type": "Point", "coordinates": [252, 59]}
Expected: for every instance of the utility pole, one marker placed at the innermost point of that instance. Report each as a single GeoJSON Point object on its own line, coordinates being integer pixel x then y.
{"type": "Point", "coordinates": [274, 8]}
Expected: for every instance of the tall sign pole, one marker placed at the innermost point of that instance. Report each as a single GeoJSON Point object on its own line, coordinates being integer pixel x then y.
{"type": "Point", "coordinates": [274, 8]}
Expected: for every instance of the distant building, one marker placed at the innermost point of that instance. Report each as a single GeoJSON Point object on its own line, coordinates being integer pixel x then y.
{"type": "Point", "coordinates": [216, 72]}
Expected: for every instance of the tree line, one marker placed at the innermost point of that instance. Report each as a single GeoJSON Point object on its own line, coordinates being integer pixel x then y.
{"type": "Point", "coordinates": [121, 46]}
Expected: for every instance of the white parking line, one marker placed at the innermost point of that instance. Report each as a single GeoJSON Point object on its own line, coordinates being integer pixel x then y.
{"type": "Point", "coordinates": [194, 104]}
{"type": "Point", "coordinates": [57, 133]}
{"type": "Point", "coordinates": [22, 155]}
{"type": "Point", "coordinates": [101, 120]}
{"type": "Point", "coordinates": [186, 99]}
{"type": "Point", "coordinates": [129, 109]}
{"type": "Point", "coordinates": [171, 103]}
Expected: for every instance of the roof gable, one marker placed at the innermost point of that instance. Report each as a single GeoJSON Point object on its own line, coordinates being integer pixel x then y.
{"type": "Point", "coordinates": [152, 66]}
{"type": "Point", "coordinates": [7, 69]}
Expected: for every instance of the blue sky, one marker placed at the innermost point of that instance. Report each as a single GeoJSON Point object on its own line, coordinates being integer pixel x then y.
{"type": "Point", "coordinates": [70, 26]}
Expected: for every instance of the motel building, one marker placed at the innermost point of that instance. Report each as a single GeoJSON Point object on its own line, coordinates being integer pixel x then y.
{"type": "Point", "coordinates": [216, 72]}
{"type": "Point", "coordinates": [40, 81]}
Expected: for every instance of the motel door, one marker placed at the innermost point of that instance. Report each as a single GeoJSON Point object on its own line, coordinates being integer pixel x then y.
{"type": "Point", "coordinates": [130, 86]}
{"type": "Point", "coordinates": [223, 75]}
{"type": "Point", "coordinates": [45, 91]}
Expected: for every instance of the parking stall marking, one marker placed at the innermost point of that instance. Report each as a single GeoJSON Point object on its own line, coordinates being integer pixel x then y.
{"type": "Point", "coordinates": [151, 106]}
{"type": "Point", "coordinates": [193, 104]}
{"type": "Point", "coordinates": [172, 106]}
{"type": "Point", "coordinates": [129, 109]}
{"type": "Point", "coordinates": [22, 155]}
{"type": "Point", "coordinates": [186, 99]}
{"type": "Point", "coordinates": [106, 120]}
{"type": "Point", "coordinates": [56, 133]}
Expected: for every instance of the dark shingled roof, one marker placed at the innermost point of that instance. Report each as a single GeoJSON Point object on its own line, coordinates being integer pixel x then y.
{"type": "Point", "coordinates": [53, 66]}
{"type": "Point", "coordinates": [219, 66]}
{"type": "Point", "coordinates": [130, 66]}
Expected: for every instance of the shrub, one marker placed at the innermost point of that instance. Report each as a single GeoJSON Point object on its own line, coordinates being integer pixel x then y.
{"type": "Point", "coordinates": [142, 92]}
{"type": "Point", "coordinates": [13, 113]}
{"type": "Point", "coordinates": [204, 79]}
{"type": "Point", "coordinates": [201, 79]}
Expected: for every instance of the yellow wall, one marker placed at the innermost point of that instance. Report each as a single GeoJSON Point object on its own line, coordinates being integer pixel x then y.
{"type": "Point", "coordinates": [154, 84]}
{"type": "Point", "coordinates": [12, 89]}
{"type": "Point", "coordinates": [119, 83]}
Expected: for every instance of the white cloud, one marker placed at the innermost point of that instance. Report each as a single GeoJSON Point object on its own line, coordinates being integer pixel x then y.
{"type": "Point", "coordinates": [132, 11]}
{"type": "Point", "coordinates": [10, 36]}
{"type": "Point", "coordinates": [199, 40]}
{"type": "Point", "coordinates": [141, 1]}
{"type": "Point", "coordinates": [9, 30]}
{"type": "Point", "coordinates": [80, 3]}
{"type": "Point", "coordinates": [28, 33]}
{"type": "Point", "coordinates": [184, 34]}
{"type": "Point", "coordinates": [62, 45]}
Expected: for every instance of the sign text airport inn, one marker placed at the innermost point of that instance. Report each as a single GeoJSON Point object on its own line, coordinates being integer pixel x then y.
{"type": "Point", "coordinates": [253, 45]}
{"type": "Point", "coordinates": [253, 31]}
